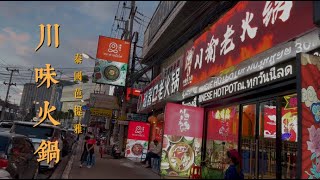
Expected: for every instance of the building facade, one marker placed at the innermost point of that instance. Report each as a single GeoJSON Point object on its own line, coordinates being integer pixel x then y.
{"type": "Point", "coordinates": [251, 69]}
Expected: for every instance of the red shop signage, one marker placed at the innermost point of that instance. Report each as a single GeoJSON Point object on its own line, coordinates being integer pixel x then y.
{"type": "Point", "coordinates": [138, 131]}
{"type": "Point", "coordinates": [248, 29]}
{"type": "Point", "coordinates": [183, 120]}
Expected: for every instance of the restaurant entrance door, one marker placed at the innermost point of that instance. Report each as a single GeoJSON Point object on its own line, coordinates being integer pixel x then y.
{"type": "Point", "coordinates": [259, 143]}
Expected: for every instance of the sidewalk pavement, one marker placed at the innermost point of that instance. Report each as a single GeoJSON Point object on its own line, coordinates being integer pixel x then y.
{"type": "Point", "coordinates": [108, 168]}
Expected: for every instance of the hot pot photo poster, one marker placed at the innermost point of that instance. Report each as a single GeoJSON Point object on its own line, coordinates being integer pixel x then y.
{"type": "Point", "coordinates": [181, 147]}
{"type": "Point", "coordinates": [137, 142]}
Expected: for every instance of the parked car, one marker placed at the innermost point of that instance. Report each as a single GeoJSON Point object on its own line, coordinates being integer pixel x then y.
{"type": "Point", "coordinates": [37, 134]}
{"type": "Point", "coordinates": [5, 126]}
{"type": "Point", "coordinates": [68, 140]}
{"type": "Point", "coordinates": [4, 174]}
{"type": "Point", "coordinates": [17, 156]}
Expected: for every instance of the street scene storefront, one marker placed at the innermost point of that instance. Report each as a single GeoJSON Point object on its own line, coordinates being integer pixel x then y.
{"type": "Point", "coordinates": [245, 73]}
{"type": "Point", "coordinates": [252, 105]}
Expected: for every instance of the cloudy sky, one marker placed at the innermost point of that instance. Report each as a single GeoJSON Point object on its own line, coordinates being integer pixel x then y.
{"type": "Point", "coordinates": [80, 25]}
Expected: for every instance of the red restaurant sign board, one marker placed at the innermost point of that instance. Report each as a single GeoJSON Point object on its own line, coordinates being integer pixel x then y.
{"type": "Point", "coordinates": [183, 120]}
{"type": "Point", "coordinates": [248, 29]}
{"type": "Point", "coordinates": [138, 131]}
{"type": "Point", "coordinates": [112, 49]}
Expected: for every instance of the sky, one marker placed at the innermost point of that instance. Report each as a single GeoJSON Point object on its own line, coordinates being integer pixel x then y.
{"type": "Point", "coordinates": [81, 23]}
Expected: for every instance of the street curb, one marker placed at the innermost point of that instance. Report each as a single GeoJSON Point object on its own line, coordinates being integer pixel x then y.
{"type": "Point", "coordinates": [67, 170]}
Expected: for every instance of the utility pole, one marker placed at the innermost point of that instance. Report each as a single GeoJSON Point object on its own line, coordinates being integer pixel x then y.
{"type": "Point", "coordinates": [128, 37]}
{"type": "Point", "coordinates": [133, 63]}
{"type": "Point", "coordinates": [132, 14]}
{"type": "Point", "coordinates": [9, 84]}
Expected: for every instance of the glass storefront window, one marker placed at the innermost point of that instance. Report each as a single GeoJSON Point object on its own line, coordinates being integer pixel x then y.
{"type": "Point", "coordinates": [289, 126]}
{"type": "Point", "coordinates": [222, 135]}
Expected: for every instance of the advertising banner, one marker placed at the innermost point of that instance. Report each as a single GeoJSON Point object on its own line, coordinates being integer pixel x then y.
{"type": "Point", "coordinates": [246, 30]}
{"type": "Point", "coordinates": [182, 141]}
{"type": "Point", "coordinates": [101, 112]}
{"type": "Point", "coordinates": [137, 142]}
{"type": "Point", "coordinates": [309, 115]}
{"type": "Point", "coordinates": [110, 72]}
{"type": "Point", "coordinates": [103, 101]}
{"type": "Point", "coordinates": [111, 49]}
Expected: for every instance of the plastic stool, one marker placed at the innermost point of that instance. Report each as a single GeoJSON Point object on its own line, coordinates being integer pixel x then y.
{"type": "Point", "coordinates": [195, 172]}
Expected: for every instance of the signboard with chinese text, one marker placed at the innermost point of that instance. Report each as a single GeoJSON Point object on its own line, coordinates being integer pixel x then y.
{"type": "Point", "coordinates": [162, 87]}
{"type": "Point", "coordinates": [137, 142]}
{"type": "Point", "coordinates": [101, 112]}
{"type": "Point", "coordinates": [182, 141]}
{"type": "Point", "coordinates": [222, 135]}
{"type": "Point", "coordinates": [111, 49]}
{"type": "Point", "coordinates": [246, 30]}
{"type": "Point", "coordinates": [269, 58]}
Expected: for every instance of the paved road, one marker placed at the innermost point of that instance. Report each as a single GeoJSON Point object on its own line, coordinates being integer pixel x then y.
{"type": "Point", "coordinates": [109, 168]}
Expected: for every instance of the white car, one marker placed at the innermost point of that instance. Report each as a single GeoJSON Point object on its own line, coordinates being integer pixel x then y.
{"type": "Point", "coordinates": [4, 174]}
{"type": "Point", "coordinates": [37, 134]}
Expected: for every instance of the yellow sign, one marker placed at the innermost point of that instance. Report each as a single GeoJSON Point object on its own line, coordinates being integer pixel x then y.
{"type": "Point", "coordinates": [39, 75]}
{"type": "Point", "coordinates": [46, 114]}
{"type": "Point", "coordinates": [77, 110]}
{"type": "Point", "coordinates": [78, 76]}
{"type": "Point", "coordinates": [78, 93]}
{"type": "Point", "coordinates": [77, 128]}
{"type": "Point", "coordinates": [42, 33]}
{"type": "Point", "coordinates": [78, 58]}
{"type": "Point", "coordinates": [48, 151]}
{"type": "Point", "coordinates": [101, 112]}
{"type": "Point", "coordinates": [122, 118]}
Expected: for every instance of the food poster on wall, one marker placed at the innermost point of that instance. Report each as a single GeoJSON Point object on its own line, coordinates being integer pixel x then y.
{"type": "Point", "coordinates": [182, 140]}
{"type": "Point", "coordinates": [288, 119]}
{"type": "Point", "coordinates": [137, 141]}
{"type": "Point", "coordinates": [222, 135]}
{"type": "Point", "coordinates": [310, 115]}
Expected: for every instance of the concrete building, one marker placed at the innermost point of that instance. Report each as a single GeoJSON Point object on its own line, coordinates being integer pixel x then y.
{"type": "Point", "coordinates": [31, 94]}
{"type": "Point", "coordinates": [28, 96]}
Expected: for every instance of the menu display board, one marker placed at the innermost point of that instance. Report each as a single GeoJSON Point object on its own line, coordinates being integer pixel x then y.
{"type": "Point", "coordinates": [137, 142]}
{"type": "Point", "coordinates": [181, 147]}
{"type": "Point", "coordinates": [222, 135]}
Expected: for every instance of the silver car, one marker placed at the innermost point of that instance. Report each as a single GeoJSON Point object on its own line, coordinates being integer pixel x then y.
{"type": "Point", "coordinates": [37, 134]}
{"type": "Point", "coordinates": [4, 174]}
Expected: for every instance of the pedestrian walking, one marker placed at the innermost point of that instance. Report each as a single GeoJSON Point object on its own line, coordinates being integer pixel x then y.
{"type": "Point", "coordinates": [90, 149]}
{"type": "Point", "coordinates": [84, 154]}
{"type": "Point", "coordinates": [234, 170]}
